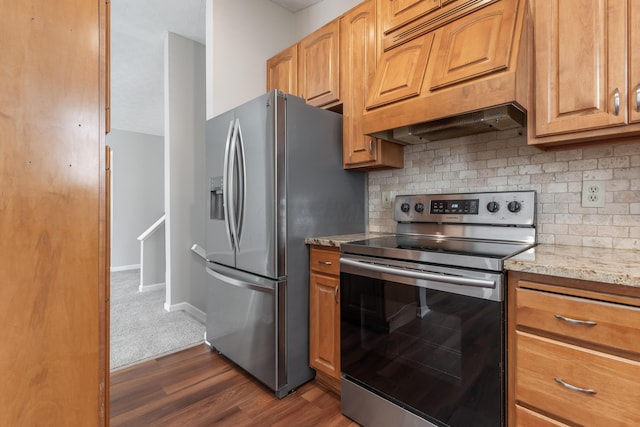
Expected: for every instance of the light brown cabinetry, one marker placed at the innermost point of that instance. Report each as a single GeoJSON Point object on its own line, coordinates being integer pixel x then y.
{"type": "Point", "coordinates": [54, 246]}
{"type": "Point", "coordinates": [358, 51]}
{"type": "Point", "coordinates": [462, 56]}
{"type": "Point", "coordinates": [581, 89]}
{"type": "Point", "coordinates": [319, 66]}
{"type": "Point", "coordinates": [282, 71]}
{"type": "Point", "coordinates": [574, 357]}
{"type": "Point", "coordinates": [634, 61]}
{"type": "Point", "coordinates": [324, 315]}
{"type": "Point", "coordinates": [403, 20]}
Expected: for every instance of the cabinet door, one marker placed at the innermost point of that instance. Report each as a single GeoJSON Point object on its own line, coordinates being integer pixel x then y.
{"type": "Point", "coordinates": [358, 65]}
{"type": "Point", "coordinates": [324, 324]}
{"type": "Point", "coordinates": [634, 61]}
{"type": "Point", "coordinates": [580, 65]}
{"type": "Point", "coordinates": [475, 45]}
{"type": "Point", "coordinates": [358, 52]}
{"type": "Point", "coordinates": [282, 71]}
{"type": "Point", "coordinates": [319, 66]}
{"type": "Point", "coordinates": [397, 13]}
{"type": "Point", "coordinates": [391, 85]}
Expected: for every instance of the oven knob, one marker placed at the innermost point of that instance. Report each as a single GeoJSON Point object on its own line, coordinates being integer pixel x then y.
{"type": "Point", "coordinates": [405, 207]}
{"type": "Point", "coordinates": [419, 207]}
{"type": "Point", "coordinates": [493, 207]}
{"type": "Point", "coordinates": [514, 206]}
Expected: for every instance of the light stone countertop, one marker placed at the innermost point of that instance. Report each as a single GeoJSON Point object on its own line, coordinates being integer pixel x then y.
{"type": "Point", "coordinates": [343, 238]}
{"type": "Point", "coordinates": [614, 266]}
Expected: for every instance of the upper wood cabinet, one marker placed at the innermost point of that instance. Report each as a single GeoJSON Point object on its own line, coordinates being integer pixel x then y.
{"type": "Point", "coordinates": [403, 20]}
{"type": "Point", "coordinates": [282, 71]}
{"type": "Point", "coordinates": [634, 61]}
{"type": "Point", "coordinates": [451, 63]}
{"type": "Point", "coordinates": [358, 65]}
{"type": "Point", "coordinates": [581, 89]}
{"type": "Point", "coordinates": [401, 72]}
{"type": "Point", "coordinates": [474, 45]}
{"type": "Point", "coordinates": [319, 66]}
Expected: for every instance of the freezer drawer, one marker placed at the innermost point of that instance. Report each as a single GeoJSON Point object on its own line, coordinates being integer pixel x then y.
{"type": "Point", "coordinates": [245, 322]}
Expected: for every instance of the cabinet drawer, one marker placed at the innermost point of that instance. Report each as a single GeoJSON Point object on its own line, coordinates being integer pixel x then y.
{"type": "Point", "coordinates": [325, 261]}
{"type": "Point", "coordinates": [609, 385]}
{"type": "Point", "coordinates": [528, 418]}
{"type": "Point", "coordinates": [612, 325]}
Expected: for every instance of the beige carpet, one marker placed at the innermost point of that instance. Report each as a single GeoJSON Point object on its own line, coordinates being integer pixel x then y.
{"type": "Point", "coordinates": [141, 329]}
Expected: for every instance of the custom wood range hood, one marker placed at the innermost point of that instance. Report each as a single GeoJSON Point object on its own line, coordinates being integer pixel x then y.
{"type": "Point", "coordinates": [458, 69]}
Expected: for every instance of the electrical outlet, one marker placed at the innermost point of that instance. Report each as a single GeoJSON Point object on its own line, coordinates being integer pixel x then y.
{"type": "Point", "coordinates": [592, 194]}
{"type": "Point", "coordinates": [387, 200]}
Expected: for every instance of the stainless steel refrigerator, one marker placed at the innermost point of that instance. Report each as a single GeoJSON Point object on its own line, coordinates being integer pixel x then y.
{"type": "Point", "coordinates": [275, 177]}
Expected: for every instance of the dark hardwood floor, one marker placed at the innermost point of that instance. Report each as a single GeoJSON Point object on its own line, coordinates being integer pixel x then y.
{"type": "Point", "coordinates": [196, 387]}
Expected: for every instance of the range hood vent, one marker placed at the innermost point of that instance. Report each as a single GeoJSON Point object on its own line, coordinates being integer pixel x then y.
{"type": "Point", "coordinates": [498, 118]}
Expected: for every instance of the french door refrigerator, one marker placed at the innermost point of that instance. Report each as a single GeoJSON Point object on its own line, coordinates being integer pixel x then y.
{"type": "Point", "coordinates": [275, 177]}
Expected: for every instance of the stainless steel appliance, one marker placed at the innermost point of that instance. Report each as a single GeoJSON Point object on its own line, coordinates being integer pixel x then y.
{"type": "Point", "coordinates": [423, 311]}
{"type": "Point", "coordinates": [275, 178]}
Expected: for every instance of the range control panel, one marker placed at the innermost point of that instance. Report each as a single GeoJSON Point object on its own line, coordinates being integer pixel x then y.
{"type": "Point", "coordinates": [499, 208]}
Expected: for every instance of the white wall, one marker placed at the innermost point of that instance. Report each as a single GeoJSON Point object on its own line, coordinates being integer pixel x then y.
{"type": "Point", "coordinates": [242, 35]}
{"type": "Point", "coordinates": [313, 17]}
{"type": "Point", "coordinates": [185, 183]}
{"type": "Point", "coordinates": [138, 192]}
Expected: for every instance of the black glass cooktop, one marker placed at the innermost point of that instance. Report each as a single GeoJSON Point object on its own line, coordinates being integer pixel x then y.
{"type": "Point", "coordinates": [444, 251]}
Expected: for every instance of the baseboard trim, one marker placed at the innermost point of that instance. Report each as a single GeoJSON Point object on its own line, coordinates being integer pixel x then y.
{"type": "Point", "coordinates": [147, 288]}
{"type": "Point", "coordinates": [198, 314]}
{"type": "Point", "coordinates": [126, 267]}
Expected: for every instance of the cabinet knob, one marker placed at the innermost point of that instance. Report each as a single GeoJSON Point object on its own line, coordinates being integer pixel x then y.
{"type": "Point", "coordinates": [616, 102]}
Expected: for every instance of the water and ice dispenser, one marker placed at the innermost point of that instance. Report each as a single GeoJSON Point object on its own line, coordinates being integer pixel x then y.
{"type": "Point", "coordinates": [216, 207]}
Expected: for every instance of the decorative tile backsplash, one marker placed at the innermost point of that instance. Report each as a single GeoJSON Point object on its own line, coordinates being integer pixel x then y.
{"type": "Point", "coordinates": [501, 161]}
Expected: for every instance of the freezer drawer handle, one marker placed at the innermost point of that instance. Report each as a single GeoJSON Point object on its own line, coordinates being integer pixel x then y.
{"type": "Point", "coordinates": [240, 283]}
{"type": "Point", "coordinates": [576, 321]}
{"type": "Point", "coordinates": [574, 388]}
{"type": "Point", "coordinates": [455, 280]}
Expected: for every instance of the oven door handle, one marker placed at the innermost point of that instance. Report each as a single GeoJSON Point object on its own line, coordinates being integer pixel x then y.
{"type": "Point", "coordinates": [455, 280]}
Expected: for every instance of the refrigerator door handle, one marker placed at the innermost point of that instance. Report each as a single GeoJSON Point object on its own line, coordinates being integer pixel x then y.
{"type": "Point", "coordinates": [233, 196]}
{"type": "Point", "coordinates": [226, 196]}
{"type": "Point", "coordinates": [241, 283]}
{"type": "Point", "coordinates": [242, 185]}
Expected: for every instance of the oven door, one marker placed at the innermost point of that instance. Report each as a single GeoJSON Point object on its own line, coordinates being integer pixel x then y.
{"type": "Point", "coordinates": [426, 340]}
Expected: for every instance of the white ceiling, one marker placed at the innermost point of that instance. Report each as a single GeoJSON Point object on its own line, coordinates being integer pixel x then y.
{"type": "Point", "coordinates": [137, 55]}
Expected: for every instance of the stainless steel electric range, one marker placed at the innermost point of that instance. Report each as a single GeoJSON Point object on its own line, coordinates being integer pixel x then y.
{"type": "Point", "coordinates": [423, 311]}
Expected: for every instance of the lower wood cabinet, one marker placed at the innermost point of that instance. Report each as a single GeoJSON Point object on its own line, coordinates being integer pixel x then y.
{"type": "Point", "coordinates": [574, 353]}
{"type": "Point", "coordinates": [324, 315]}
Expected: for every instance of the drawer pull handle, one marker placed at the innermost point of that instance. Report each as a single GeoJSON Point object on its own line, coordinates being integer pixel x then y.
{"type": "Point", "coordinates": [325, 262]}
{"type": "Point", "coordinates": [574, 388]}
{"type": "Point", "coordinates": [576, 321]}
{"type": "Point", "coordinates": [335, 294]}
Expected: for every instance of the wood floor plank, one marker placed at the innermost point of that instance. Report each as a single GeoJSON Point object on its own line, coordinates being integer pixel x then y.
{"type": "Point", "coordinates": [196, 387]}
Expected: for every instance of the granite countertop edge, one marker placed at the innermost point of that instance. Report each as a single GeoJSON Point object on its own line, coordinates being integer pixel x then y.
{"type": "Point", "coordinates": [341, 238]}
{"type": "Point", "coordinates": [605, 265]}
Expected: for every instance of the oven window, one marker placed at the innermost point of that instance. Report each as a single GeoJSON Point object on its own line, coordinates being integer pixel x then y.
{"type": "Point", "coordinates": [437, 354]}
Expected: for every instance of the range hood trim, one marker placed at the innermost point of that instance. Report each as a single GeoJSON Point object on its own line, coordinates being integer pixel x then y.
{"type": "Point", "coordinates": [501, 117]}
